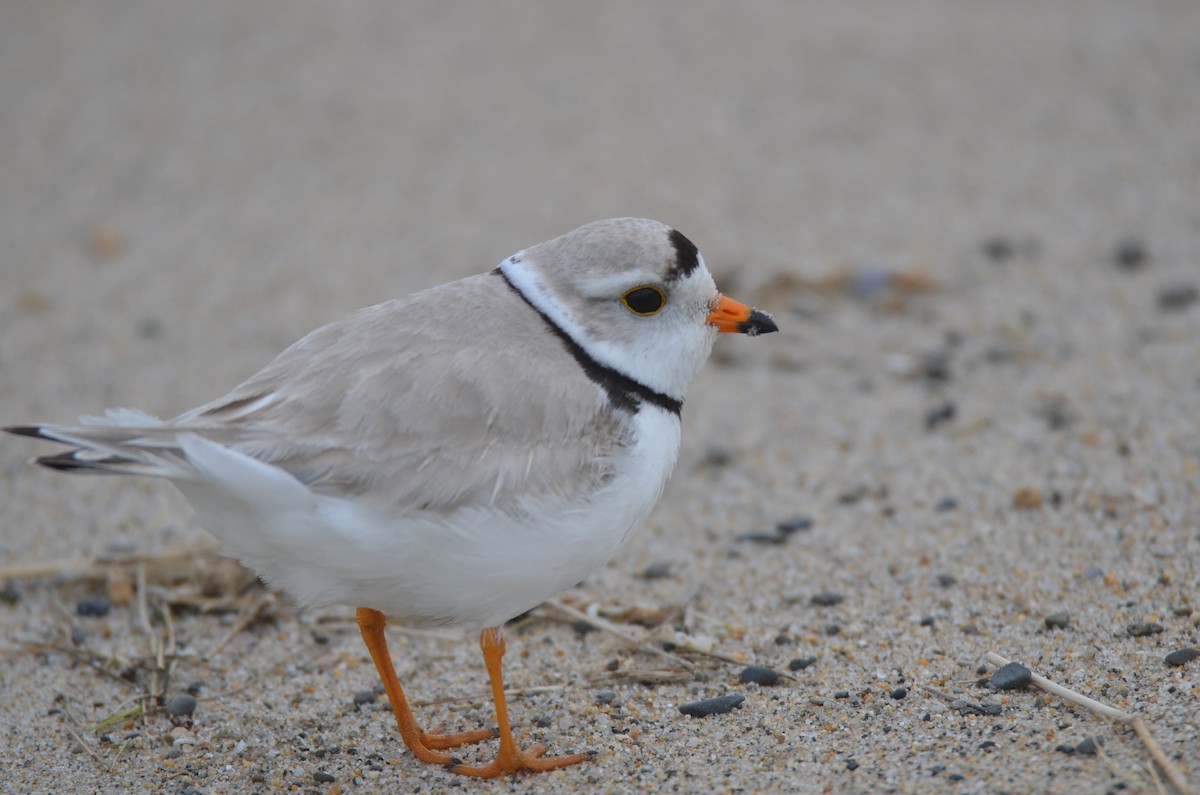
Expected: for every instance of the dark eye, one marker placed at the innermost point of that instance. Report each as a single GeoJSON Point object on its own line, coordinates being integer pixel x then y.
{"type": "Point", "coordinates": [644, 300]}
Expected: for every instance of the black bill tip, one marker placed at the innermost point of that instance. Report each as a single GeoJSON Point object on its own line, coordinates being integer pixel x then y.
{"type": "Point", "coordinates": [757, 323]}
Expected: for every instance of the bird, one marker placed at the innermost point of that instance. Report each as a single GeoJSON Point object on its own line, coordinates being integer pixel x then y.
{"type": "Point", "coordinates": [452, 458]}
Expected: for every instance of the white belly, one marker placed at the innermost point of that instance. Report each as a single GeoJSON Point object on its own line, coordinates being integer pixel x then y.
{"type": "Point", "coordinates": [475, 567]}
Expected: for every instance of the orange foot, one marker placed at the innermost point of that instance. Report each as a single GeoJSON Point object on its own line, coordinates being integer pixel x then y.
{"type": "Point", "coordinates": [430, 746]}
{"type": "Point", "coordinates": [531, 760]}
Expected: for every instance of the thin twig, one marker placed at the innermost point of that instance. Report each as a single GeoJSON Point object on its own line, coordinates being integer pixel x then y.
{"type": "Point", "coordinates": [605, 626]}
{"type": "Point", "coordinates": [245, 620]}
{"type": "Point", "coordinates": [1139, 726]}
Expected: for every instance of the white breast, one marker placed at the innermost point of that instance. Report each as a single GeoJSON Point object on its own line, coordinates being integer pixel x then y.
{"type": "Point", "coordinates": [474, 567]}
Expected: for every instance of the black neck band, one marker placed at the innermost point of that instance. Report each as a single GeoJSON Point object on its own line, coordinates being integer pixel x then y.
{"type": "Point", "coordinates": [623, 391]}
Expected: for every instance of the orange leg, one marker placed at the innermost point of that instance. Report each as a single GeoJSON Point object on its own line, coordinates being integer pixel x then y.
{"type": "Point", "coordinates": [426, 747]}
{"type": "Point", "coordinates": [509, 759]}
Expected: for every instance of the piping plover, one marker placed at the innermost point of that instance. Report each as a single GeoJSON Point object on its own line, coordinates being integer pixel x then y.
{"type": "Point", "coordinates": [455, 457]}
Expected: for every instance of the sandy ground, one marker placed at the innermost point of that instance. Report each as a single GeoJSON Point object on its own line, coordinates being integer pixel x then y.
{"type": "Point", "coordinates": [977, 225]}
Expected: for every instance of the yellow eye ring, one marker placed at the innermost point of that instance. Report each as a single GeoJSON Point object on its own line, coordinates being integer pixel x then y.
{"type": "Point", "coordinates": [644, 300]}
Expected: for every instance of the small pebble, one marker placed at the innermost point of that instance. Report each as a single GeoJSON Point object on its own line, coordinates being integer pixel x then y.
{"type": "Point", "coordinates": [712, 706]}
{"type": "Point", "coordinates": [989, 709]}
{"type": "Point", "coordinates": [1063, 748]}
{"type": "Point", "coordinates": [899, 693]}
{"type": "Point", "coordinates": [1182, 656]}
{"type": "Point", "coordinates": [927, 621]}
{"type": "Point", "coordinates": [1088, 746]}
{"type": "Point", "coordinates": [851, 765]}
{"type": "Point", "coordinates": [364, 697]}
{"type": "Point", "coordinates": [195, 687]}
{"type": "Point", "coordinates": [1143, 628]}
{"type": "Point", "coordinates": [182, 705]}
{"type": "Point", "coordinates": [656, 571]}
{"type": "Point", "coordinates": [794, 525]}
{"type": "Point", "coordinates": [760, 537]}
{"type": "Point", "coordinates": [987, 745]}
{"type": "Point", "coordinates": [321, 777]}
{"type": "Point", "coordinates": [946, 504]}
{"type": "Point", "coordinates": [1093, 573]}
{"type": "Point", "coordinates": [800, 663]}
{"type": "Point", "coordinates": [833, 629]}
{"type": "Point", "coordinates": [1130, 254]}
{"type": "Point", "coordinates": [759, 675]}
{"type": "Point", "coordinates": [842, 694]}
{"type": "Point", "coordinates": [1011, 676]}
{"type": "Point", "coordinates": [605, 697]}
{"type": "Point", "coordinates": [827, 599]}
{"type": "Point", "coordinates": [93, 606]}
{"type": "Point", "coordinates": [1177, 296]}
{"type": "Point", "coordinates": [1057, 620]}
{"type": "Point", "coordinates": [998, 249]}
{"type": "Point", "coordinates": [945, 580]}
{"type": "Point", "coordinates": [936, 416]}
{"type": "Point", "coordinates": [1027, 498]}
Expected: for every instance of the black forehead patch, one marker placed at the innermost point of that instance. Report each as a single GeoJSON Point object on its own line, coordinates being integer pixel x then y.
{"type": "Point", "coordinates": [687, 258]}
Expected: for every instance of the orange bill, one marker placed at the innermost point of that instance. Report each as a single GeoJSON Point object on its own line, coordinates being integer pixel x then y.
{"type": "Point", "coordinates": [733, 317]}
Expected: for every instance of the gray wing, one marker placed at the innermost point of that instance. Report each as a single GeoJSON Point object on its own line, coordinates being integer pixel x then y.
{"type": "Point", "coordinates": [454, 397]}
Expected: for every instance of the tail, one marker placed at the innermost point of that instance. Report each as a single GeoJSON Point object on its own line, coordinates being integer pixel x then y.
{"type": "Point", "coordinates": [122, 442]}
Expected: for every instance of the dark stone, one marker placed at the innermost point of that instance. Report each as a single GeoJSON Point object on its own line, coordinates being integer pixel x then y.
{"type": "Point", "coordinates": [945, 580]}
{"type": "Point", "coordinates": [1177, 296]}
{"type": "Point", "coordinates": [936, 416]}
{"type": "Point", "coordinates": [794, 525]}
{"type": "Point", "coordinates": [364, 697]}
{"type": "Point", "coordinates": [1088, 746]}
{"type": "Point", "coordinates": [656, 571]}
{"type": "Point", "coordinates": [842, 694]}
{"type": "Point", "coordinates": [899, 693]}
{"type": "Point", "coordinates": [712, 706]}
{"type": "Point", "coordinates": [1058, 620]}
{"type": "Point", "coordinates": [800, 663]}
{"type": "Point", "coordinates": [827, 599]}
{"type": "Point", "coordinates": [760, 537]}
{"type": "Point", "coordinates": [1182, 656]}
{"type": "Point", "coordinates": [1011, 676]}
{"type": "Point", "coordinates": [946, 504]}
{"type": "Point", "coordinates": [321, 777]}
{"type": "Point", "coordinates": [1144, 628]}
{"type": "Point", "coordinates": [851, 765]}
{"type": "Point", "coordinates": [998, 249]}
{"type": "Point", "coordinates": [1130, 254]}
{"type": "Point", "coordinates": [605, 697]}
{"type": "Point", "coordinates": [182, 706]}
{"type": "Point", "coordinates": [93, 606]}
{"type": "Point", "coordinates": [759, 675]}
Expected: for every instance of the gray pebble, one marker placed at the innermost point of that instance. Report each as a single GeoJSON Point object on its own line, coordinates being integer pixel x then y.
{"type": "Point", "coordinates": [1143, 628]}
{"type": "Point", "coordinates": [945, 580]}
{"type": "Point", "coordinates": [321, 777]}
{"type": "Point", "coordinates": [800, 663]}
{"type": "Point", "coordinates": [759, 675]}
{"type": "Point", "coordinates": [1058, 620]}
{"type": "Point", "coordinates": [827, 599]}
{"type": "Point", "coordinates": [656, 571]}
{"type": "Point", "coordinates": [182, 705]}
{"type": "Point", "coordinates": [946, 504]}
{"type": "Point", "coordinates": [364, 697]}
{"type": "Point", "coordinates": [1088, 746]}
{"type": "Point", "coordinates": [1178, 296]}
{"type": "Point", "coordinates": [605, 697]}
{"type": "Point", "coordinates": [712, 706]}
{"type": "Point", "coordinates": [1130, 254]}
{"type": "Point", "coordinates": [899, 693]}
{"type": "Point", "coordinates": [93, 606]}
{"type": "Point", "coordinates": [794, 525]}
{"type": "Point", "coordinates": [1182, 656]}
{"type": "Point", "coordinates": [1011, 676]}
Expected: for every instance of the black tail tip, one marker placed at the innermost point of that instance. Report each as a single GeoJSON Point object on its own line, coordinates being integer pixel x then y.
{"type": "Point", "coordinates": [25, 430]}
